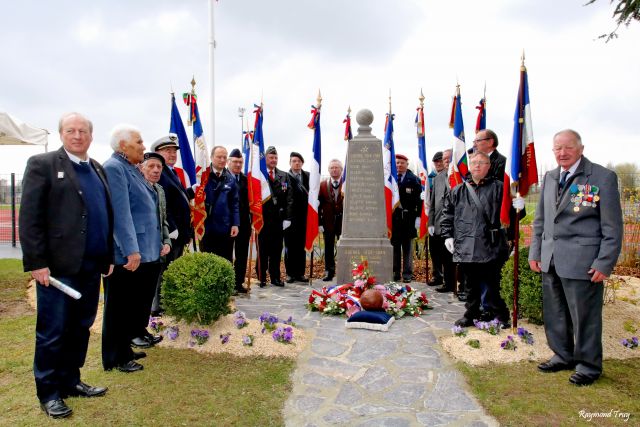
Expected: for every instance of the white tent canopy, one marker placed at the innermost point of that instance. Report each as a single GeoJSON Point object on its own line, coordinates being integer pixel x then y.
{"type": "Point", "coordinates": [15, 132]}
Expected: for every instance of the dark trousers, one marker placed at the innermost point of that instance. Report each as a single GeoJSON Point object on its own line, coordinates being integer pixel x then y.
{"type": "Point", "coordinates": [219, 244]}
{"type": "Point", "coordinates": [241, 249]}
{"type": "Point", "coordinates": [479, 275]}
{"type": "Point", "coordinates": [62, 333]}
{"type": "Point", "coordinates": [444, 269]}
{"type": "Point", "coordinates": [127, 304]}
{"type": "Point", "coordinates": [403, 249]}
{"type": "Point", "coordinates": [573, 321]}
{"type": "Point", "coordinates": [295, 257]}
{"type": "Point", "coordinates": [175, 253]}
{"type": "Point", "coordinates": [270, 251]}
{"type": "Point", "coordinates": [330, 252]}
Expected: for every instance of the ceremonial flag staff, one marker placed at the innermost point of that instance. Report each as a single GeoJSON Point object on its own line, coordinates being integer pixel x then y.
{"type": "Point", "coordinates": [423, 173]}
{"type": "Point", "coordinates": [312, 230]}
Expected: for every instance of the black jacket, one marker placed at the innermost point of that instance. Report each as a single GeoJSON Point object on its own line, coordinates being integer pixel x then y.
{"type": "Point", "coordinates": [178, 210]}
{"type": "Point", "coordinates": [297, 209]}
{"type": "Point", "coordinates": [404, 217]}
{"type": "Point", "coordinates": [275, 209]}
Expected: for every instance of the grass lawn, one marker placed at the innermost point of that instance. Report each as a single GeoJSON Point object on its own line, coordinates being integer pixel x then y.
{"type": "Point", "coordinates": [177, 387]}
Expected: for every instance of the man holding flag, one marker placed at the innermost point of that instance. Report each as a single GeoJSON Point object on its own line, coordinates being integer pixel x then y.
{"type": "Point", "coordinates": [313, 208]}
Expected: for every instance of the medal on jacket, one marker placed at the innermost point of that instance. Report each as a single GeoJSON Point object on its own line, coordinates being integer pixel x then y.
{"type": "Point", "coordinates": [585, 195]}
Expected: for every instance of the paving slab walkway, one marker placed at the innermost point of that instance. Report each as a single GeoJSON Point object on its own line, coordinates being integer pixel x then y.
{"type": "Point", "coordinates": [358, 377]}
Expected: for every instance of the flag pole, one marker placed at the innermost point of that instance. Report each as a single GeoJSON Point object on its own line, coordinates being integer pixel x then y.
{"type": "Point", "coordinates": [212, 47]}
{"type": "Point", "coordinates": [426, 236]}
{"type": "Point", "coordinates": [318, 107]}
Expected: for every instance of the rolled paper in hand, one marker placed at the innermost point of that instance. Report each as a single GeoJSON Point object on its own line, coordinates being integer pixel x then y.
{"type": "Point", "coordinates": [64, 288]}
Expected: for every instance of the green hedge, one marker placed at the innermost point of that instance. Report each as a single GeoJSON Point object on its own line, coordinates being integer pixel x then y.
{"type": "Point", "coordinates": [197, 287]}
{"type": "Point", "coordinates": [530, 288]}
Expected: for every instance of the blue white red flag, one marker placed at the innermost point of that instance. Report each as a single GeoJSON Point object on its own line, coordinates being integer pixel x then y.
{"type": "Point", "coordinates": [246, 149]}
{"type": "Point", "coordinates": [202, 172]}
{"type": "Point", "coordinates": [185, 166]}
{"type": "Point", "coordinates": [481, 121]}
{"type": "Point", "coordinates": [257, 177]}
{"type": "Point", "coordinates": [314, 182]}
{"type": "Point", "coordinates": [391, 190]}
{"type": "Point", "coordinates": [458, 168]}
{"type": "Point", "coordinates": [348, 136]}
{"type": "Point", "coordinates": [521, 169]}
{"type": "Point", "coordinates": [423, 173]}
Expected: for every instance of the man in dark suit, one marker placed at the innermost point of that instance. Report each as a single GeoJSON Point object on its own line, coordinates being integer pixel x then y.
{"type": "Point", "coordinates": [66, 228]}
{"type": "Point", "coordinates": [223, 208]}
{"type": "Point", "coordinates": [295, 257]}
{"type": "Point", "coordinates": [330, 215]}
{"type": "Point", "coordinates": [577, 237]}
{"type": "Point", "coordinates": [178, 209]}
{"type": "Point", "coordinates": [486, 141]}
{"type": "Point", "coordinates": [274, 211]}
{"type": "Point", "coordinates": [241, 241]}
{"type": "Point", "coordinates": [405, 219]}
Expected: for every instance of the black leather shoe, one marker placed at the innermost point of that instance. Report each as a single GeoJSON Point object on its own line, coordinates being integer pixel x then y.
{"type": "Point", "coordinates": [278, 283]}
{"type": "Point", "coordinates": [157, 313]}
{"type": "Point", "coordinates": [241, 289]}
{"type": "Point", "coordinates": [549, 366]}
{"type": "Point", "coordinates": [290, 279]}
{"type": "Point", "coordinates": [139, 355]}
{"type": "Point", "coordinates": [327, 278]}
{"type": "Point", "coordinates": [302, 278]}
{"type": "Point", "coordinates": [130, 366]}
{"type": "Point", "coordinates": [56, 408]}
{"type": "Point", "coordinates": [153, 339]}
{"type": "Point", "coordinates": [434, 283]}
{"type": "Point", "coordinates": [396, 278]}
{"type": "Point", "coordinates": [406, 280]}
{"type": "Point", "coordinates": [443, 289]}
{"type": "Point", "coordinates": [140, 342]}
{"type": "Point", "coordinates": [464, 322]}
{"type": "Point", "coordinates": [580, 379]}
{"type": "Point", "coordinates": [462, 296]}
{"type": "Point", "coordinates": [83, 390]}
{"type": "Point", "coordinates": [263, 284]}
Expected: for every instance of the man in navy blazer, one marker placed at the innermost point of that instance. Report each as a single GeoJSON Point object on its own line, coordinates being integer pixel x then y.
{"type": "Point", "coordinates": [577, 237]}
{"type": "Point", "coordinates": [241, 241]}
{"type": "Point", "coordinates": [66, 226]}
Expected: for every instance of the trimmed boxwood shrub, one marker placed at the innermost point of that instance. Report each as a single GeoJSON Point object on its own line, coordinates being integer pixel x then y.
{"type": "Point", "coordinates": [529, 288]}
{"type": "Point", "coordinates": [197, 287]}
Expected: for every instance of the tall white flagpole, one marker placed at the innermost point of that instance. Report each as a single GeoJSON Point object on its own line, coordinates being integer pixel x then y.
{"type": "Point", "coordinates": [212, 47]}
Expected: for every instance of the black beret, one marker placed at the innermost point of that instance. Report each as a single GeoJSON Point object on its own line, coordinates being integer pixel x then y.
{"type": "Point", "coordinates": [437, 157]}
{"type": "Point", "coordinates": [271, 150]}
{"type": "Point", "coordinates": [296, 154]}
{"type": "Point", "coordinates": [152, 155]}
{"type": "Point", "coordinates": [235, 153]}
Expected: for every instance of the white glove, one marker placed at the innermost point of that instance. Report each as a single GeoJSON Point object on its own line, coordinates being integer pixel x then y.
{"type": "Point", "coordinates": [448, 243]}
{"type": "Point", "coordinates": [321, 229]}
{"type": "Point", "coordinates": [418, 223]}
{"type": "Point", "coordinates": [518, 203]}
{"type": "Point", "coordinates": [174, 234]}
{"type": "Point", "coordinates": [286, 224]}
{"type": "Point", "coordinates": [431, 229]}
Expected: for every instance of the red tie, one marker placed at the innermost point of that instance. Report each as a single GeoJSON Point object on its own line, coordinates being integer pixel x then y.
{"type": "Point", "coordinates": [271, 176]}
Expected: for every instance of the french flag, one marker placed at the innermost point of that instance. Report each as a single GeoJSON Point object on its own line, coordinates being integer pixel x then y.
{"type": "Point", "coordinates": [314, 180]}
{"type": "Point", "coordinates": [202, 172]}
{"type": "Point", "coordinates": [458, 169]}
{"type": "Point", "coordinates": [521, 171]}
{"type": "Point", "coordinates": [258, 183]}
{"type": "Point", "coordinates": [423, 171]}
{"type": "Point", "coordinates": [391, 190]}
{"type": "Point", "coordinates": [185, 166]}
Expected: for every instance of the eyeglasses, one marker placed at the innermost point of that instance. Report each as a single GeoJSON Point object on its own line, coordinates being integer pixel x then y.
{"type": "Point", "coordinates": [478, 163]}
{"type": "Point", "coordinates": [481, 139]}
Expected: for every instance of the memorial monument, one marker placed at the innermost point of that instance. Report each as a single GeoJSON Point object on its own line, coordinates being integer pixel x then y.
{"type": "Point", "coordinates": [364, 224]}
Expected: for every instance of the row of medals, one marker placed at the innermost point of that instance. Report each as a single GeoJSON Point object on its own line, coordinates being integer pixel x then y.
{"type": "Point", "coordinates": [585, 195]}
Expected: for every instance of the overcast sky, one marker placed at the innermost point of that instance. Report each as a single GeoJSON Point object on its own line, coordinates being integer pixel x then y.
{"type": "Point", "coordinates": [117, 61]}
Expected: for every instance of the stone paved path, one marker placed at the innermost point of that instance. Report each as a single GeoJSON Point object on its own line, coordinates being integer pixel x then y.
{"type": "Point", "coordinates": [359, 377]}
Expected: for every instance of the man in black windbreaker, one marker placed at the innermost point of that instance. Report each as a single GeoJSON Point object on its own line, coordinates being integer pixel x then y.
{"type": "Point", "coordinates": [472, 232]}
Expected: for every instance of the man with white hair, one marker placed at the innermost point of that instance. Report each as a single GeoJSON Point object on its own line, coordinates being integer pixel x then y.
{"type": "Point", "coordinates": [137, 253]}
{"type": "Point", "coordinates": [330, 215]}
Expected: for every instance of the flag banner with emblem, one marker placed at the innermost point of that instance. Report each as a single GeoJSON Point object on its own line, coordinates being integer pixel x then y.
{"type": "Point", "coordinates": [202, 172]}
{"type": "Point", "coordinates": [185, 166]}
{"type": "Point", "coordinates": [423, 173]}
{"type": "Point", "coordinates": [458, 168]}
{"type": "Point", "coordinates": [481, 121]}
{"type": "Point", "coordinates": [348, 136]}
{"type": "Point", "coordinates": [314, 182]}
{"type": "Point", "coordinates": [391, 190]}
{"type": "Point", "coordinates": [521, 171]}
{"type": "Point", "coordinates": [246, 149]}
{"type": "Point", "coordinates": [257, 177]}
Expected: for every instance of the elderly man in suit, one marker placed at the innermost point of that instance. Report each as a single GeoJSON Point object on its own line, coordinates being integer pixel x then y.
{"type": "Point", "coordinates": [295, 257]}
{"type": "Point", "coordinates": [577, 237]}
{"type": "Point", "coordinates": [138, 244]}
{"type": "Point", "coordinates": [241, 241]}
{"type": "Point", "coordinates": [66, 226]}
{"type": "Point", "coordinates": [274, 212]}
{"type": "Point", "coordinates": [222, 205]}
{"type": "Point", "coordinates": [330, 216]}
{"type": "Point", "coordinates": [405, 219]}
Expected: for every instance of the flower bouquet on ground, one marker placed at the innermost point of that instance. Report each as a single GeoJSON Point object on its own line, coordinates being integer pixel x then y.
{"type": "Point", "coordinates": [345, 299]}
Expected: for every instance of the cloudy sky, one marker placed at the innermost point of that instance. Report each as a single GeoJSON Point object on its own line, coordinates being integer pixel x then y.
{"type": "Point", "coordinates": [118, 61]}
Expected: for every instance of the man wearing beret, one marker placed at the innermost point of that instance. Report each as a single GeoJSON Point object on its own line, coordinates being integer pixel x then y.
{"type": "Point", "coordinates": [274, 213]}
{"type": "Point", "coordinates": [405, 219]}
{"type": "Point", "coordinates": [222, 206]}
{"type": "Point", "coordinates": [437, 167]}
{"type": "Point", "coordinates": [178, 209]}
{"type": "Point", "coordinates": [241, 241]}
{"type": "Point", "coordinates": [577, 237]}
{"type": "Point", "coordinates": [294, 236]}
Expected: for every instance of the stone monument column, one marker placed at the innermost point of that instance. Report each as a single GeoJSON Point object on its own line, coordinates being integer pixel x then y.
{"type": "Point", "coordinates": [364, 223]}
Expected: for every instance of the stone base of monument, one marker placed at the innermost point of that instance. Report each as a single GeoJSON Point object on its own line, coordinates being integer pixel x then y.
{"type": "Point", "coordinates": [378, 251]}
